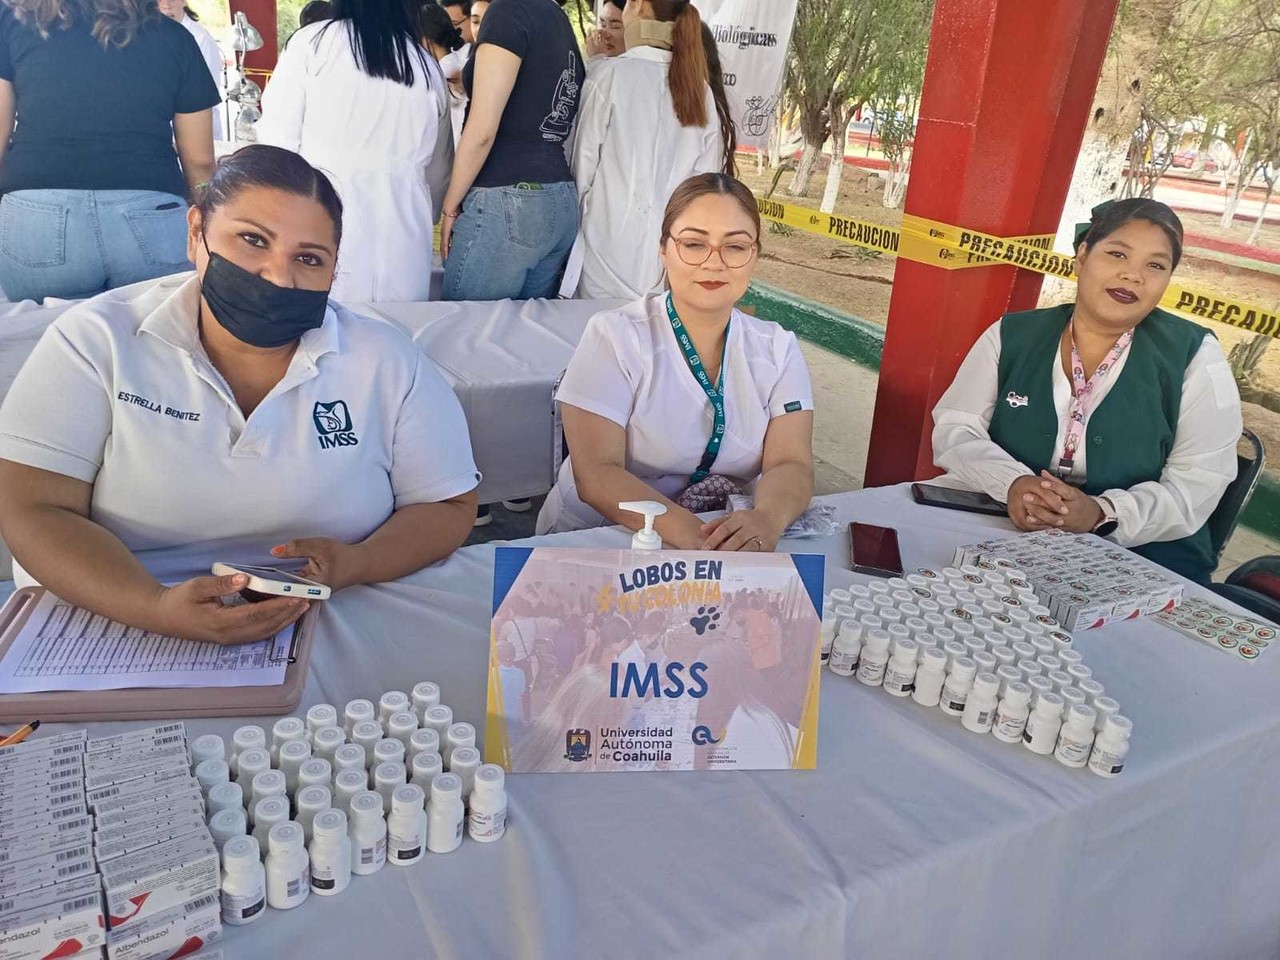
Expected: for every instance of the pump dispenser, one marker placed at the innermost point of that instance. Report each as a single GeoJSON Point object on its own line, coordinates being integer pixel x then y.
{"type": "Point", "coordinates": [646, 538]}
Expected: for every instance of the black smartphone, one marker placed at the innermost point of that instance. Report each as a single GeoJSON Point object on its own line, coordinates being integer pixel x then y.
{"type": "Point", "coordinates": [971, 501]}
{"type": "Point", "coordinates": [874, 550]}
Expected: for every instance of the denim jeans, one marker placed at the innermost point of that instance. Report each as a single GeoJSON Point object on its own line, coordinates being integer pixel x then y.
{"type": "Point", "coordinates": [76, 243]}
{"type": "Point", "coordinates": [511, 242]}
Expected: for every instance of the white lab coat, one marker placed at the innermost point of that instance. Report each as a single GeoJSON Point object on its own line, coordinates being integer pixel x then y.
{"type": "Point", "coordinates": [213, 59]}
{"type": "Point", "coordinates": [628, 154]}
{"type": "Point", "coordinates": [388, 149]}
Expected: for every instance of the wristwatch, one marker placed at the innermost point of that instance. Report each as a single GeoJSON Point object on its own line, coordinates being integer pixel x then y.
{"type": "Point", "coordinates": [1109, 523]}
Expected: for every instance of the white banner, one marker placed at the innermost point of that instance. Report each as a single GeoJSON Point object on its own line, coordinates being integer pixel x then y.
{"type": "Point", "coordinates": [753, 36]}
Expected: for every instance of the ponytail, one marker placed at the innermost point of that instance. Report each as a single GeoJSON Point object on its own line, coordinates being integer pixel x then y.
{"type": "Point", "coordinates": [715, 76]}
{"type": "Point", "coordinates": [687, 78]}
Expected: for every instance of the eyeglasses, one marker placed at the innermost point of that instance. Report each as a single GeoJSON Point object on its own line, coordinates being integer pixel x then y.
{"type": "Point", "coordinates": [735, 255]}
{"type": "Point", "coordinates": [458, 23]}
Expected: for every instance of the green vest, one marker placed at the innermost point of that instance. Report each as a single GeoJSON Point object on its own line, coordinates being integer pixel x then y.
{"type": "Point", "coordinates": [1129, 434]}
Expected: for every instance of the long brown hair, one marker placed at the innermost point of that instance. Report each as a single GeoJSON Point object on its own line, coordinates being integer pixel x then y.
{"type": "Point", "coordinates": [702, 184]}
{"type": "Point", "coordinates": [687, 78]}
{"type": "Point", "coordinates": [115, 22]}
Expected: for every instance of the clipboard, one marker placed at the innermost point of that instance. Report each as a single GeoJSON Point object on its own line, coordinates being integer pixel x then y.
{"type": "Point", "coordinates": [151, 703]}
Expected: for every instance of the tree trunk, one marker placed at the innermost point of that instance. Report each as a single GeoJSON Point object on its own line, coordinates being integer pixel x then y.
{"type": "Point", "coordinates": [1262, 215]}
{"type": "Point", "coordinates": [814, 129]}
{"type": "Point", "coordinates": [840, 119]}
{"type": "Point", "coordinates": [1244, 173]}
{"type": "Point", "coordinates": [1117, 108]}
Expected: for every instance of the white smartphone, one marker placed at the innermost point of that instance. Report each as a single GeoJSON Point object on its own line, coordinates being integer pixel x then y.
{"type": "Point", "coordinates": [273, 581]}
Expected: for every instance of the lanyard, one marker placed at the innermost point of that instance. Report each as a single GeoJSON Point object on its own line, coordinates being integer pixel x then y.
{"type": "Point", "coordinates": [715, 393]}
{"type": "Point", "coordinates": [1081, 394]}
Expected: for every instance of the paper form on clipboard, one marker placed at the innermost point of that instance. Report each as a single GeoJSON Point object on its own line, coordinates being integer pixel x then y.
{"type": "Point", "coordinates": [64, 647]}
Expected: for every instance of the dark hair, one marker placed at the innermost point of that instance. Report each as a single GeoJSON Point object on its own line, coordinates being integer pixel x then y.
{"type": "Point", "coordinates": [260, 165]}
{"type": "Point", "coordinates": [314, 12]}
{"type": "Point", "coordinates": [704, 184]}
{"type": "Point", "coordinates": [191, 13]}
{"type": "Point", "coordinates": [620, 4]}
{"type": "Point", "coordinates": [436, 26]}
{"type": "Point", "coordinates": [384, 37]}
{"type": "Point", "coordinates": [715, 77]}
{"type": "Point", "coordinates": [1111, 216]}
{"type": "Point", "coordinates": [464, 4]}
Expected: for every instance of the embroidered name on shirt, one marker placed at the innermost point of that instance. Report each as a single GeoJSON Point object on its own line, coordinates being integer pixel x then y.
{"type": "Point", "coordinates": [793, 406]}
{"type": "Point", "coordinates": [155, 407]}
{"type": "Point", "coordinates": [333, 424]}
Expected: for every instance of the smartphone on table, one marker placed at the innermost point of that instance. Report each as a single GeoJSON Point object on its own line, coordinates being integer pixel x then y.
{"type": "Point", "coordinates": [267, 582]}
{"type": "Point", "coordinates": [874, 550]}
{"type": "Point", "coordinates": [971, 501]}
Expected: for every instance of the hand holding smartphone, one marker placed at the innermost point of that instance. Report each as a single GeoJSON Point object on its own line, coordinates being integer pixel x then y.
{"type": "Point", "coordinates": [267, 582]}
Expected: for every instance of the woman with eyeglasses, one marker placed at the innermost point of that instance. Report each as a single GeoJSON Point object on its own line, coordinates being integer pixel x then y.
{"type": "Point", "coordinates": [683, 399]}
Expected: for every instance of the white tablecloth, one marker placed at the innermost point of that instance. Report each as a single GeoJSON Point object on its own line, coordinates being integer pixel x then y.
{"type": "Point", "coordinates": [501, 358]}
{"type": "Point", "coordinates": [913, 838]}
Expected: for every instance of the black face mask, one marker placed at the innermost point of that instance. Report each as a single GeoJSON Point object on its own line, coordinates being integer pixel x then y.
{"type": "Point", "coordinates": [256, 311]}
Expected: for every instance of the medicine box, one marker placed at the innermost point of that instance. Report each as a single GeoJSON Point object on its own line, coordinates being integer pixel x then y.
{"type": "Point", "coordinates": [186, 928]}
{"type": "Point", "coordinates": [56, 929]}
{"type": "Point", "coordinates": [140, 885]}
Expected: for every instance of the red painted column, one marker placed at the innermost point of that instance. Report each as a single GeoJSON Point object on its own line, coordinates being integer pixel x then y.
{"type": "Point", "coordinates": [1007, 92]}
{"type": "Point", "coordinates": [262, 14]}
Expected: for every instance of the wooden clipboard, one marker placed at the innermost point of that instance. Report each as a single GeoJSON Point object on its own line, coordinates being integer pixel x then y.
{"type": "Point", "coordinates": [150, 703]}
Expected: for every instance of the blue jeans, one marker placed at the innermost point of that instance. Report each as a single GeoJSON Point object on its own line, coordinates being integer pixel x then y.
{"type": "Point", "coordinates": [77, 243]}
{"type": "Point", "coordinates": [511, 242]}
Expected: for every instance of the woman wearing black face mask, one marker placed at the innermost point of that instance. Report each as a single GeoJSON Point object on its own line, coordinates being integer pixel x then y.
{"type": "Point", "coordinates": [235, 414]}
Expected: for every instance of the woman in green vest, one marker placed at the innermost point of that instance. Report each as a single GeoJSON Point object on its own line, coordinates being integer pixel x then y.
{"type": "Point", "coordinates": [1107, 415]}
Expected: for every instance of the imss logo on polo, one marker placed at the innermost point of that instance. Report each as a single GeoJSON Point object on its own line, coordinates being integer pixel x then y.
{"type": "Point", "coordinates": [333, 424]}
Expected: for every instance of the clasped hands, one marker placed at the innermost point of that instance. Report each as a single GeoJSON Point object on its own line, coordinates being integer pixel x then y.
{"type": "Point", "coordinates": [1046, 502]}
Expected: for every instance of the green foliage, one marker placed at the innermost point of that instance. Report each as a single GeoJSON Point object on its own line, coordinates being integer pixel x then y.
{"type": "Point", "coordinates": [287, 19]}
{"type": "Point", "coordinates": [847, 53]}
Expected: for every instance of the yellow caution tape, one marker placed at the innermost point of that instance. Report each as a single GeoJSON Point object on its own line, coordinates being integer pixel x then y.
{"type": "Point", "coordinates": [956, 248]}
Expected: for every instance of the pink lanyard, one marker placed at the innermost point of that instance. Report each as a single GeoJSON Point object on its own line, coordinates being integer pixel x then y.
{"type": "Point", "coordinates": [1081, 391]}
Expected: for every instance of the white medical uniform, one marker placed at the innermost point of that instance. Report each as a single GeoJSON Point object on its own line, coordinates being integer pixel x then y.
{"type": "Point", "coordinates": [212, 54]}
{"type": "Point", "coordinates": [628, 154]}
{"type": "Point", "coordinates": [120, 393]}
{"type": "Point", "coordinates": [452, 65]}
{"type": "Point", "coordinates": [1197, 471]}
{"type": "Point", "coordinates": [387, 147]}
{"type": "Point", "coordinates": [629, 369]}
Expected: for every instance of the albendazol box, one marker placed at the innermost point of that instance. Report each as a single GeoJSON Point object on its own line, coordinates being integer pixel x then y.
{"type": "Point", "coordinates": [1085, 581]}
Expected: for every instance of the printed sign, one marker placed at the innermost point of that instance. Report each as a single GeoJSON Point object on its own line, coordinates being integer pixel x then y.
{"type": "Point", "coordinates": [616, 660]}
{"type": "Point", "coordinates": [753, 37]}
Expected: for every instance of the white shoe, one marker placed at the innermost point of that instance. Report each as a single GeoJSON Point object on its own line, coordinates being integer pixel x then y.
{"type": "Point", "coordinates": [518, 506]}
{"type": "Point", "coordinates": [483, 516]}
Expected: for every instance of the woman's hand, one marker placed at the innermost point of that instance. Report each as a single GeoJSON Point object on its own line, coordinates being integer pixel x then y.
{"type": "Point", "coordinates": [446, 234]}
{"type": "Point", "coordinates": [741, 530]}
{"type": "Point", "coordinates": [329, 561]}
{"type": "Point", "coordinates": [193, 610]}
{"type": "Point", "coordinates": [1079, 512]}
{"type": "Point", "coordinates": [1028, 509]}
{"type": "Point", "coordinates": [596, 43]}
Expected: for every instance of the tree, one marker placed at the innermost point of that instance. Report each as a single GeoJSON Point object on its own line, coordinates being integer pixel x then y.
{"type": "Point", "coordinates": [827, 36]}
{"type": "Point", "coordinates": [844, 55]}
{"type": "Point", "coordinates": [902, 46]}
{"type": "Point", "coordinates": [1142, 29]}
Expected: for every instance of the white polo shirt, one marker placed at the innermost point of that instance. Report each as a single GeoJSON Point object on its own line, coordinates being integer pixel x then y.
{"type": "Point", "coordinates": [120, 393]}
{"type": "Point", "coordinates": [628, 368]}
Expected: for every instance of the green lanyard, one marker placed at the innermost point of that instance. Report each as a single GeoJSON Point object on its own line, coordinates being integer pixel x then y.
{"type": "Point", "coordinates": [714, 393]}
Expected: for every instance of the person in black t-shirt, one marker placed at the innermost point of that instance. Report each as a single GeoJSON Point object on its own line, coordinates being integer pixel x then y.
{"type": "Point", "coordinates": [94, 194]}
{"type": "Point", "coordinates": [511, 213]}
